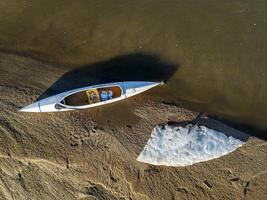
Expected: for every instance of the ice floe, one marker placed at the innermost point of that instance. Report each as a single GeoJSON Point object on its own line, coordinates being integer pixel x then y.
{"type": "Point", "coordinates": [182, 146]}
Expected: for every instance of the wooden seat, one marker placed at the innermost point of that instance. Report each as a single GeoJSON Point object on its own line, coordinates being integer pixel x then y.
{"type": "Point", "coordinates": [77, 99]}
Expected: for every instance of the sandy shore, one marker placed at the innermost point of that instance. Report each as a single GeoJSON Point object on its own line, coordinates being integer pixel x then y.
{"type": "Point", "coordinates": [91, 154]}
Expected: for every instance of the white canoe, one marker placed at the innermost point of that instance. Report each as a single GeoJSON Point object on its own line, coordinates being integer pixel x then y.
{"type": "Point", "coordinates": [91, 96]}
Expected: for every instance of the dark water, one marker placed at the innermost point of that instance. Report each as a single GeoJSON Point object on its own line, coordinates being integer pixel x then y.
{"type": "Point", "coordinates": [211, 53]}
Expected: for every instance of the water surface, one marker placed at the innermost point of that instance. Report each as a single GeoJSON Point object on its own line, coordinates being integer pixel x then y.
{"type": "Point", "coordinates": [218, 48]}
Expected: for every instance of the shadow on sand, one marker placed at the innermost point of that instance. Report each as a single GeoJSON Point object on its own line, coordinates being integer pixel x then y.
{"type": "Point", "coordinates": [215, 125]}
{"type": "Point", "coordinates": [132, 67]}
{"type": "Point", "coordinates": [246, 128]}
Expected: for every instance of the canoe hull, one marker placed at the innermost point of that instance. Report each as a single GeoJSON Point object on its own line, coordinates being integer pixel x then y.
{"type": "Point", "coordinates": [52, 104]}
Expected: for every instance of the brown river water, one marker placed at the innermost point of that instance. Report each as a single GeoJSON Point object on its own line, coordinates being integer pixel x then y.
{"type": "Point", "coordinates": [212, 54]}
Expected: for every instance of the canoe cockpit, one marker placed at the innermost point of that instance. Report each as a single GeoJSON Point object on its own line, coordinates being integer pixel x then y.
{"type": "Point", "coordinates": [92, 96]}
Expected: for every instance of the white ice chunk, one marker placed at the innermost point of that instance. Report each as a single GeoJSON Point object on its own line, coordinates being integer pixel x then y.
{"type": "Point", "coordinates": [182, 146]}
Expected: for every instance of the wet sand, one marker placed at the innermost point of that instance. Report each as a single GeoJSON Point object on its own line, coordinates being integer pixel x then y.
{"type": "Point", "coordinates": [212, 56]}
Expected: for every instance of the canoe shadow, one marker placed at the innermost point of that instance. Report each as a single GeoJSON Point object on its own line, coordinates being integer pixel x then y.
{"type": "Point", "coordinates": [131, 67]}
